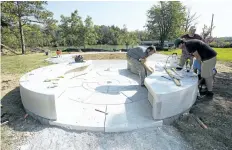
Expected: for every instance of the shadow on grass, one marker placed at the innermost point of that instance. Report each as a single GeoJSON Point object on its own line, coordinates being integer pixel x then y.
{"type": "Point", "coordinates": [13, 111]}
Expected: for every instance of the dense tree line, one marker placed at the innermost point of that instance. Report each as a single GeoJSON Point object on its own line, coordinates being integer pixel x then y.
{"type": "Point", "coordinates": [29, 24]}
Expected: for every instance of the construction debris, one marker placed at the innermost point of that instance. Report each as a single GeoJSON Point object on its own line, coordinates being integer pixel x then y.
{"type": "Point", "coordinates": [176, 73]}
{"type": "Point", "coordinates": [175, 80]}
{"type": "Point", "coordinates": [166, 78]}
{"type": "Point", "coordinates": [200, 122]}
{"type": "Point", "coordinates": [101, 111]}
{"type": "Point", "coordinates": [25, 116]}
{"type": "Point", "coordinates": [53, 86]}
{"type": "Point", "coordinates": [49, 80]}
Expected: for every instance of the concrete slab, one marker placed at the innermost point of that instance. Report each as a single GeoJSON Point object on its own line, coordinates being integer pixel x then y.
{"type": "Point", "coordinates": [106, 88]}
{"type": "Point", "coordinates": [108, 98]}
{"type": "Point", "coordinates": [79, 116]}
{"type": "Point", "coordinates": [130, 116]}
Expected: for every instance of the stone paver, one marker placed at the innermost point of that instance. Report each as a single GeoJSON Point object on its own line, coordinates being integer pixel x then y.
{"type": "Point", "coordinates": [108, 98]}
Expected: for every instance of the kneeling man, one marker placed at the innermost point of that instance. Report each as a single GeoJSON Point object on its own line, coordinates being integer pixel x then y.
{"type": "Point", "coordinates": [136, 61]}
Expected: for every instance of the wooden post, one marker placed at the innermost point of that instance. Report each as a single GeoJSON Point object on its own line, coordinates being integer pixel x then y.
{"type": "Point", "coordinates": [211, 28]}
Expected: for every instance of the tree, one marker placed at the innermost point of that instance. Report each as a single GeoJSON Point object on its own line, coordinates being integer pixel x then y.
{"type": "Point", "coordinates": [72, 29]}
{"type": "Point", "coordinates": [90, 35]}
{"type": "Point", "coordinates": [105, 35]}
{"type": "Point", "coordinates": [190, 19]}
{"type": "Point", "coordinates": [128, 38]}
{"type": "Point", "coordinates": [10, 36]}
{"type": "Point", "coordinates": [206, 31]}
{"type": "Point", "coordinates": [166, 20]}
{"type": "Point", "coordinates": [50, 31]}
{"type": "Point", "coordinates": [115, 34]}
{"type": "Point", "coordinates": [21, 13]}
{"type": "Point", "coordinates": [143, 35]}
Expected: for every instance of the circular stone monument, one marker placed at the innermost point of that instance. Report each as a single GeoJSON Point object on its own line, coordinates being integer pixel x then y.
{"type": "Point", "coordinates": [102, 95]}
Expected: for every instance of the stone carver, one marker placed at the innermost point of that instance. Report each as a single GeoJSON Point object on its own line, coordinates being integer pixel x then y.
{"type": "Point", "coordinates": [185, 54]}
{"type": "Point", "coordinates": [136, 61]}
{"type": "Point", "coordinates": [205, 55]}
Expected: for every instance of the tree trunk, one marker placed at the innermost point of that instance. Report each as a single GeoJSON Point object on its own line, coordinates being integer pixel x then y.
{"type": "Point", "coordinates": [21, 36]}
{"type": "Point", "coordinates": [21, 30]}
{"type": "Point", "coordinates": [161, 41]}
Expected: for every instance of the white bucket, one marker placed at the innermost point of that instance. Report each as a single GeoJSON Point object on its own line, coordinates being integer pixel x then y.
{"type": "Point", "coordinates": [174, 60]}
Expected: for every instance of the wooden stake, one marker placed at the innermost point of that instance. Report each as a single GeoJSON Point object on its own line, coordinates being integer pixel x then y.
{"type": "Point", "coordinates": [200, 122]}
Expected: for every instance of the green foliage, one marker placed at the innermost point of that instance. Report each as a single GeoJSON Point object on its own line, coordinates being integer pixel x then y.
{"type": "Point", "coordinates": [20, 14]}
{"type": "Point", "coordinates": [166, 20]}
{"type": "Point", "coordinates": [90, 35]}
{"type": "Point", "coordinates": [10, 36]}
{"type": "Point", "coordinates": [72, 29]}
{"type": "Point", "coordinates": [221, 44]}
{"type": "Point", "coordinates": [77, 33]}
{"type": "Point", "coordinates": [223, 54]}
{"type": "Point", "coordinates": [27, 24]}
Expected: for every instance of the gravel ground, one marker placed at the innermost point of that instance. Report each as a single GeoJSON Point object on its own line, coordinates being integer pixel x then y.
{"type": "Point", "coordinates": [166, 138]}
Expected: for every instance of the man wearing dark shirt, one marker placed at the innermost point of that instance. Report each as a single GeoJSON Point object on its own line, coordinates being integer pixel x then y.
{"type": "Point", "coordinates": [185, 54]}
{"type": "Point", "coordinates": [204, 54]}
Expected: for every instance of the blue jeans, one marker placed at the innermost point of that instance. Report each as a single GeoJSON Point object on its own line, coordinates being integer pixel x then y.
{"type": "Point", "coordinates": [197, 66]}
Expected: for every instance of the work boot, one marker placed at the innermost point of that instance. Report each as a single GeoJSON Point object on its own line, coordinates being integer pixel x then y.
{"type": "Point", "coordinates": [203, 92]}
{"type": "Point", "coordinates": [207, 96]}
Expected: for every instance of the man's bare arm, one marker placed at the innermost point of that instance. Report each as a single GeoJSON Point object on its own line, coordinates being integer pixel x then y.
{"type": "Point", "coordinates": [144, 62]}
{"type": "Point", "coordinates": [196, 54]}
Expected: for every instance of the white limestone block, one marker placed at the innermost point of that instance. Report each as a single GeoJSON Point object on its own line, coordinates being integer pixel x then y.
{"type": "Point", "coordinates": [168, 99]}
{"type": "Point", "coordinates": [80, 116]}
{"type": "Point", "coordinates": [131, 116]}
{"type": "Point", "coordinates": [107, 99]}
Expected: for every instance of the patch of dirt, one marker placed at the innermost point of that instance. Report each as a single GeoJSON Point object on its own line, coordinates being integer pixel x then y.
{"type": "Point", "coordinates": [100, 56]}
{"type": "Point", "coordinates": [17, 129]}
{"type": "Point", "coordinates": [224, 69]}
{"type": "Point", "coordinates": [216, 114]}
{"type": "Point", "coordinates": [8, 83]}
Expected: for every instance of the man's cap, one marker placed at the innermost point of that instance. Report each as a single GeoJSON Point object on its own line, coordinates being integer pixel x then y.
{"type": "Point", "coordinates": [177, 42]}
{"type": "Point", "coordinates": [150, 48]}
{"type": "Point", "coordinates": [192, 28]}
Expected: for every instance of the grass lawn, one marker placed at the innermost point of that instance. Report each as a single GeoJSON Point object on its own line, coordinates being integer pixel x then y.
{"type": "Point", "coordinates": [20, 64]}
{"type": "Point", "coordinates": [224, 54]}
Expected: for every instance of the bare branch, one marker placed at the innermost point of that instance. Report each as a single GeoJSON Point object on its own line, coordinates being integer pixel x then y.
{"type": "Point", "coordinates": [190, 18]}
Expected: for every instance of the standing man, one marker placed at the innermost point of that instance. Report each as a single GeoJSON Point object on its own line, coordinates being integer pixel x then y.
{"type": "Point", "coordinates": [185, 54]}
{"type": "Point", "coordinates": [205, 55]}
{"type": "Point", "coordinates": [136, 61]}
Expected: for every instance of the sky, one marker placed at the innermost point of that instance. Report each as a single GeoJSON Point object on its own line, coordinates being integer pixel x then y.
{"type": "Point", "coordinates": [134, 13]}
